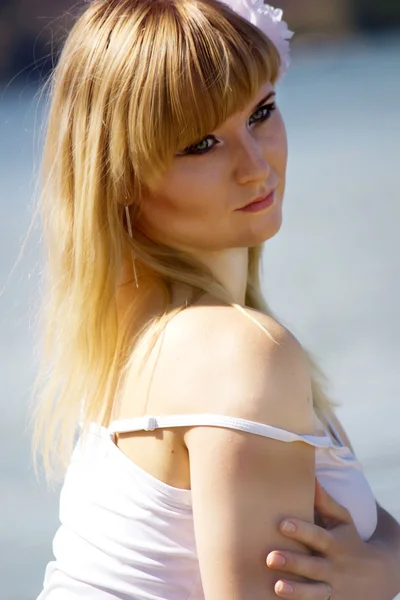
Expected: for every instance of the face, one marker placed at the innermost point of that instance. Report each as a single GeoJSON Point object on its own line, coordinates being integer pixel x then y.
{"type": "Point", "coordinates": [199, 202]}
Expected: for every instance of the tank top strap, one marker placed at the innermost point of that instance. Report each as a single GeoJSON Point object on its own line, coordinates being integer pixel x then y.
{"type": "Point", "coordinates": [332, 431]}
{"type": "Point", "coordinates": [335, 433]}
{"type": "Point", "coordinates": [150, 423]}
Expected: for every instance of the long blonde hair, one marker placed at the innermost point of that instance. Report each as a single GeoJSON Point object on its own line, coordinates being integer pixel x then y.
{"type": "Point", "coordinates": [136, 80]}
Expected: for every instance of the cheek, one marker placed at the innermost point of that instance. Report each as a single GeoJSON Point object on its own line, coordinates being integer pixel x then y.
{"type": "Point", "coordinates": [159, 214]}
{"type": "Point", "coordinates": [279, 151]}
{"type": "Point", "coordinates": [188, 191]}
{"type": "Point", "coordinates": [184, 206]}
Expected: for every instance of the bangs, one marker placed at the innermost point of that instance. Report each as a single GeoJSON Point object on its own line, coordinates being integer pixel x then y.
{"type": "Point", "coordinates": [203, 64]}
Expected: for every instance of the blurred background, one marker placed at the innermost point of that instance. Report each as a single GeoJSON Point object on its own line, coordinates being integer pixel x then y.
{"type": "Point", "coordinates": [331, 275]}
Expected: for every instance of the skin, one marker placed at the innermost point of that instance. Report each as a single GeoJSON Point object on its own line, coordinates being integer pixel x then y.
{"type": "Point", "coordinates": [342, 563]}
{"type": "Point", "coordinates": [195, 209]}
{"type": "Point", "coordinates": [351, 568]}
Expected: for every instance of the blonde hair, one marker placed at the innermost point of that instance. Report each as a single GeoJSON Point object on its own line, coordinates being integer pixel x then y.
{"type": "Point", "coordinates": [124, 98]}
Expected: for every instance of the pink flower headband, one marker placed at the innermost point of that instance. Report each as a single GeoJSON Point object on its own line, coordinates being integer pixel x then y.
{"type": "Point", "coordinates": [269, 20]}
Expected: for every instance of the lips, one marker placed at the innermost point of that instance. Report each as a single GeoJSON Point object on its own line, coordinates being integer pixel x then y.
{"type": "Point", "coordinates": [259, 199]}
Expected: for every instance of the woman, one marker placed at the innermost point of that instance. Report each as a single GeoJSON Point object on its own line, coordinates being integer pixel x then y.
{"type": "Point", "coordinates": [203, 423]}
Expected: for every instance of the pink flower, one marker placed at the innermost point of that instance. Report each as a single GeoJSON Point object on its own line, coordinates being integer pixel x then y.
{"type": "Point", "coordinates": [269, 20]}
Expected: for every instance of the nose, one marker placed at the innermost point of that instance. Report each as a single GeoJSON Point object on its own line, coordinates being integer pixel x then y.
{"type": "Point", "coordinates": [251, 163]}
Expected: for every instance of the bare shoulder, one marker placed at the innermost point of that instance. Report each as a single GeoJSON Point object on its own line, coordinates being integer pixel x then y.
{"type": "Point", "coordinates": [244, 484]}
{"type": "Point", "coordinates": [223, 323]}
{"type": "Point", "coordinates": [245, 365]}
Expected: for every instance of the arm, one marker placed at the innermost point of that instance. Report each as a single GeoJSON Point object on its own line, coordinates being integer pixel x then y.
{"type": "Point", "coordinates": [243, 484]}
{"type": "Point", "coordinates": [387, 533]}
{"type": "Point", "coordinates": [387, 537]}
{"type": "Point", "coordinates": [342, 554]}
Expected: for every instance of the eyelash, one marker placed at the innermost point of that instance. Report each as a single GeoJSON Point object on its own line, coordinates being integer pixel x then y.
{"type": "Point", "coordinates": [190, 150]}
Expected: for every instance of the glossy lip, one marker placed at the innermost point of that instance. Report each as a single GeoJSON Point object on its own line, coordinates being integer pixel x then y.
{"type": "Point", "coordinates": [259, 200]}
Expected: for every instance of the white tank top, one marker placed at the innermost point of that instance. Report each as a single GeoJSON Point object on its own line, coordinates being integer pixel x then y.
{"type": "Point", "coordinates": [126, 535]}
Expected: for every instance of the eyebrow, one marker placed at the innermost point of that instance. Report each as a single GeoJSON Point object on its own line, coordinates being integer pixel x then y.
{"type": "Point", "coordinates": [264, 100]}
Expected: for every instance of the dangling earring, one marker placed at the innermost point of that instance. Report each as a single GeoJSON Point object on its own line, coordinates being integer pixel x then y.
{"type": "Point", "coordinates": [128, 221]}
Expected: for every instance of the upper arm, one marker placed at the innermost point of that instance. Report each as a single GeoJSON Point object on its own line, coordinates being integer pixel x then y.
{"type": "Point", "coordinates": [242, 487]}
{"type": "Point", "coordinates": [244, 484]}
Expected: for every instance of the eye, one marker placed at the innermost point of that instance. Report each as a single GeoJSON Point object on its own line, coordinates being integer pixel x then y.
{"type": "Point", "coordinates": [203, 147]}
{"type": "Point", "coordinates": [264, 113]}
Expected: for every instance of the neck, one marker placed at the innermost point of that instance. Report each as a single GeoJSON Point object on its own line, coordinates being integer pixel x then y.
{"type": "Point", "coordinates": [230, 268]}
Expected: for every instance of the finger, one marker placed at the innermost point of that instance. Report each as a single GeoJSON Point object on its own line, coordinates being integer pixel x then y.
{"type": "Point", "coordinates": [311, 567]}
{"type": "Point", "coordinates": [302, 591]}
{"type": "Point", "coordinates": [328, 508]}
{"type": "Point", "coordinates": [314, 537]}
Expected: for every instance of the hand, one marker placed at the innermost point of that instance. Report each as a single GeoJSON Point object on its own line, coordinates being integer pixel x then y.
{"type": "Point", "coordinates": [342, 565]}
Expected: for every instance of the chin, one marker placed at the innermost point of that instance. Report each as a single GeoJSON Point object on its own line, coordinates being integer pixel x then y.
{"type": "Point", "coordinates": [265, 227]}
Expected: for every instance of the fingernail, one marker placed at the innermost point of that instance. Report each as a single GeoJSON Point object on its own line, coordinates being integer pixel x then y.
{"type": "Point", "coordinates": [276, 560]}
{"type": "Point", "coordinates": [288, 527]}
{"type": "Point", "coordinates": [285, 588]}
